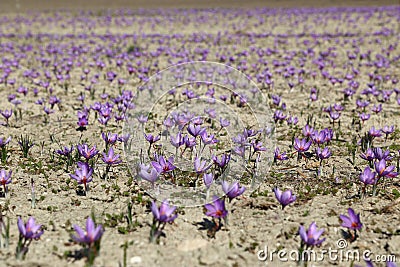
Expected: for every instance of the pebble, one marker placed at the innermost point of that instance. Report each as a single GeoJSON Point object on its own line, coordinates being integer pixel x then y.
{"type": "Point", "coordinates": [135, 260]}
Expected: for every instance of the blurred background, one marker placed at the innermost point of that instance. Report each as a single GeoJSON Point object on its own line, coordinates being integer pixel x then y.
{"type": "Point", "coordinates": [26, 5]}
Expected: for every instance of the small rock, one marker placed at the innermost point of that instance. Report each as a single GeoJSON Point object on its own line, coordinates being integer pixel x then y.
{"type": "Point", "coordinates": [193, 244]}
{"type": "Point", "coordinates": [135, 260]}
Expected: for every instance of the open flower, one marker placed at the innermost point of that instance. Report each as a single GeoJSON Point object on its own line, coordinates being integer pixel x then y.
{"type": "Point", "coordinates": [110, 158]}
{"type": "Point", "coordinates": [165, 213]}
{"type": "Point", "coordinates": [83, 174]}
{"type": "Point", "coordinates": [30, 230]}
{"type": "Point", "coordinates": [87, 153]}
{"type": "Point", "coordinates": [162, 165]}
{"type": "Point", "coordinates": [216, 208]}
{"type": "Point", "coordinates": [145, 175]}
{"type": "Point", "coordinates": [90, 235]}
{"type": "Point", "coordinates": [5, 179]}
{"type": "Point", "coordinates": [285, 198]}
{"type": "Point", "coordinates": [232, 190]}
{"type": "Point", "coordinates": [352, 221]}
{"type": "Point", "coordinates": [312, 235]}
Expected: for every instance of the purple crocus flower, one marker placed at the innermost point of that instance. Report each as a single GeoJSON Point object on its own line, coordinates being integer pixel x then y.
{"type": "Point", "coordinates": [216, 208]}
{"type": "Point", "coordinates": [142, 119]}
{"type": "Point", "coordinates": [165, 213]}
{"type": "Point", "coordinates": [322, 153]}
{"type": "Point", "coordinates": [163, 166]}
{"type": "Point", "coordinates": [383, 170]}
{"type": "Point", "coordinates": [124, 138]}
{"type": "Point", "coordinates": [145, 175]}
{"type": "Point", "coordinates": [109, 138]}
{"type": "Point", "coordinates": [257, 146]}
{"type": "Point", "coordinates": [368, 177]}
{"type": "Point", "coordinates": [318, 137]}
{"type": "Point", "coordinates": [352, 221]}
{"type": "Point", "coordinates": [151, 139]}
{"type": "Point", "coordinates": [6, 114]}
{"type": "Point", "coordinates": [208, 179]}
{"type": "Point", "coordinates": [301, 146]}
{"type": "Point", "coordinates": [208, 139]}
{"type": "Point", "coordinates": [312, 235]}
{"type": "Point", "coordinates": [388, 129]}
{"type": "Point", "coordinates": [369, 155]}
{"type": "Point", "coordinates": [189, 141]}
{"type": "Point", "coordinates": [379, 154]}
{"type": "Point", "coordinates": [280, 156]}
{"type": "Point", "coordinates": [225, 158]}
{"type": "Point", "coordinates": [110, 158]}
{"type": "Point", "coordinates": [177, 140]}
{"type": "Point", "coordinates": [195, 130]}
{"type": "Point", "coordinates": [200, 165]}
{"type": "Point", "coordinates": [87, 153]}
{"type": "Point", "coordinates": [29, 230]}
{"type": "Point", "coordinates": [83, 174]}
{"type": "Point", "coordinates": [232, 190]}
{"type": "Point", "coordinates": [308, 131]}
{"type": "Point", "coordinates": [375, 132]}
{"type": "Point", "coordinates": [5, 179]}
{"type": "Point", "coordinates": [285, 198]}
{"type": "Point", "coordinates": [82, 121]}
{"type": "Point", "coordinates": [65, 151]}
{"type": "Point", "coordinates": [4, 142]}
{"type": "Point", "coordinates": [90, 235]}
{"type": "Point", "coordinates": [224, 122]}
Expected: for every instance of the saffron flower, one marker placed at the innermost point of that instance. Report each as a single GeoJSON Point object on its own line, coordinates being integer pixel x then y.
{"type": "Point", "coordinates": [352, 221]}
{"type": "Point", "coordinates": [232, 190]}
{"type": "Point", "coordinates": [311, 236]}
{"type": "Point", "coordinates": [216, 208]}
{"type": "Point", "coordinates": [280, 156]}
{"type": "Point", "coordinates": [144, 173]}
{"type": "Point", "coordinates": [384, 171]}
{"type": "Point", "coordinates": [200, 165]}
{"type": "Point", "coordinates": [83, 174]}
{"type": "Point", "coordinates": [109, 138]}
{"type": "Point", "coordinates": [87, 153]}
{"type": "Point", "coordinates": [5, 179]}
{"type": "Point", "coordinates": [30, 230]}
{"type": "Point", "coordinates": [285, 198]}
{"type": "Point", "coordinates": [162, 165]}
{"type": "Point", "coordinates": [208, 179]}
{"type": "Point", "coordinates": [225, 158]}
{"type": "Point", "coordinates": [368, 177]}
{"type": "Point", "coordinates": [90, 235]}
{"type": "Point", "coordinates": [161, 216]}
{"type": "Point", "coordinates": [301, 146]}
{"type": "Point", "coordinates": [164, 213]}
{"type": "Point", "coordinates": [110, 158]}
{"type": "Point", "coordinates": [27, 232]}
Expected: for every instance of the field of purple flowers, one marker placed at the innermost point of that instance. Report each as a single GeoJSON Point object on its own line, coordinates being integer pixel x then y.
{"type": "Point", "coordinates": [86, 172]}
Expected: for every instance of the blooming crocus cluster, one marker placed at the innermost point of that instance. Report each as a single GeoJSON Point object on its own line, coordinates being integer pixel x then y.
{"type": "Point", "coordinates": [378, 160]}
